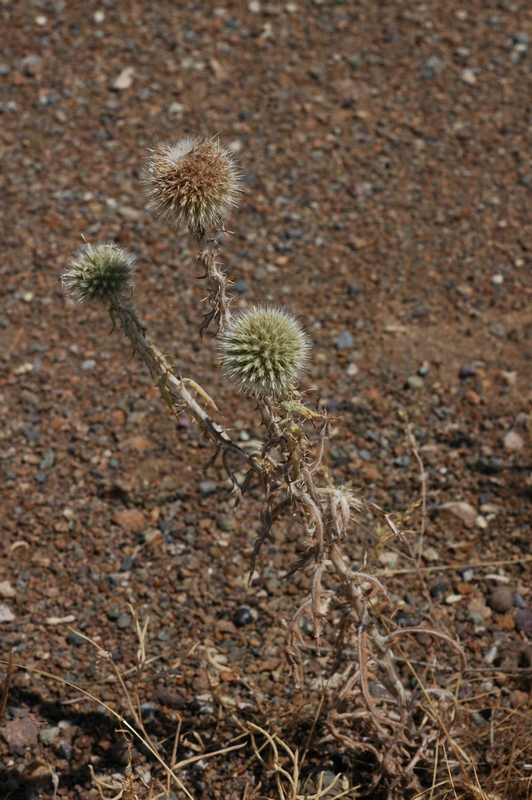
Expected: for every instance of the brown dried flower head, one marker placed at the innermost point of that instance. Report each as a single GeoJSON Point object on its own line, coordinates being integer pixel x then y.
{"type": "Point", "coordinates": [193, 182]}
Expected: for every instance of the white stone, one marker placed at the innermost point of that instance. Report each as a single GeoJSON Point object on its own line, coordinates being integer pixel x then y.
{"type": "Point", "coordinates": [430, 554]}
{"type": "Point", "coordinates": [513, 441]}
{"type": "Point", "coordinates": [124, 80]}
{"type": "Point", "coordinates": [453, 598]}
{"type": "Point", "coordinates": [389, 559]}
{"type": "Point", "coordinates": [468, 76]}
{"type": "Point", "coordinates": [463, 511]}
{"type": "Point", "coordinates": [6, 615]}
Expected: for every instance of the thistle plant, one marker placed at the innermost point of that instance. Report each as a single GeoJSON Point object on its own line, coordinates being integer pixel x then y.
{"type": "Point", "coordinates": [264, 350]}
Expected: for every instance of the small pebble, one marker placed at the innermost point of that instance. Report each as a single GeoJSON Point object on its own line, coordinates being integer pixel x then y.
{"type": "Point", "coordinates": [453, 598]}
{"type": "Point", "coordinates": [48, 460]}
{"type": "Point", "coordinates": [49, 735]}
{"type": "Point", "coordinates": [352, 370]}
{"type": "Point", "coordinates": [244, 615]}
{"type": "Point", "coordinates": [124, 80]}
{"type": "Point", "coordinates": [463, 511]}
{"type": "Point", "coordinates": [202, 704]}
{"type": "Point", "coordinates": [389, 559]}
{"type": "Point", "coordinates": [327, 777]}
{"type": "Point", "coordinates": [415, 382]}
{"type": "Point", "coordinates": [403, 462]}
{"type": "Point", "coordinates": [175, 109]}
{"type": "Point", "coordinates": [468, 76]}
{"type": "Point", "coordinates": [498, 330]}
{"type": "Point", "coordinates": [20, 733]}
{"type": "Point", "coordinates": [500, 599]}
{"type": "Point", "coordinates": [241, 286]}
{"type": "Point", "coordinates": [523, 620]}
{"type": "Point", "coordinates": [166, 526]}
{"type": "Point", "coordinates": [430, 554]}
{"type": "Point", "coordinates": [513, 441]}
{"type": "Point", "coordinates": [439, 588]}
{"type": "Point", "coordinates": [467, 371]}
{"type": "Point", "coordinates": [75, 640]}
{"type": "Point", "coordinates": [127, 564]}
{"type": "Point", "coordinates": [518, 600]}
{"type": "Point", "coordinates": [225, 522]}
{"type": "Point", "coordinates": [6, 590]}
{"type": "Point", "coordinates": [30, 64]}
{"type": "Point", "coordinates": [491, 654]}
{"type": "Point", "coordinates": [131, 520]}
{"type": "Point", "coordinates": [6, 615]}
{"type": "Point", "coordinates": [345, 341]}
{"type": "Point", "coordinates": [123, 622]}
{"type": "Point", "coordinates": [521, 37]}
{"type": "Point", "coordinates": [206, 488]}
{"type": "Point", "coordinates": [433, 65]}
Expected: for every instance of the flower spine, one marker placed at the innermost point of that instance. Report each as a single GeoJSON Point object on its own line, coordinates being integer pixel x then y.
{"type": "Point", "coordinates": [264, 351]}
{"type": "Point", "coordinates": [193, 182]}
{"type": "Point", "coordinates": [99, 272]}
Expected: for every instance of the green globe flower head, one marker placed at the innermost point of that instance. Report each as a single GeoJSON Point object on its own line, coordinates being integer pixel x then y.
{"type": "Point", "coordinates": [264, 350]}
{"type": "Point", "coordinates": [99, 272]}
{"type": "Point", "coordinates": [193, 182]}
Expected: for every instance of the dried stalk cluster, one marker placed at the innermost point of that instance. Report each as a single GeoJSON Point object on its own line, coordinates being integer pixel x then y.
{"type": "Point", "coordinates": [264, 351]}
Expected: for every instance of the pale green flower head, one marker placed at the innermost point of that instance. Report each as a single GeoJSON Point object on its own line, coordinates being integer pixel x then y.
{"type": "Point", "coordinates": [99, 272]}
{"type": "Point", "coordinates": [264, 350]}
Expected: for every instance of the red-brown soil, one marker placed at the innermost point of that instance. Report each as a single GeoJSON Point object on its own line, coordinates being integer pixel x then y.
{"type": "Point", "coordinates": [386, 152]}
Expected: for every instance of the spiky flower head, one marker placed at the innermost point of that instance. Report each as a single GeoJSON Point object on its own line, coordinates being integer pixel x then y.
{"type": "Point", "coordinates": [99, 272]}
{"type": "Point", "coordinates": [264, 350]}
{"type": "Point", "coordinates": [194, 182]}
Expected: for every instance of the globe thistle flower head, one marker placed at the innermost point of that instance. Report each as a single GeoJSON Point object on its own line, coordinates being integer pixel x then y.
{"type": "Point", "coordinates": [193, 182]}
{"type": "Point", "coordinates": [264, 350]}
{"type": "Point", "coordinates": [99, 272]}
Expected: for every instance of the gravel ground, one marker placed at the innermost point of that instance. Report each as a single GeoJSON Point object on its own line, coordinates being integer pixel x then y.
{"type": "Point", "coordinates": [386, 153]}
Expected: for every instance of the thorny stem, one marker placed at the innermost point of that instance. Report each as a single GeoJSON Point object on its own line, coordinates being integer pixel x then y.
{"type": "Point", "coordinates": [173, 389]}
{"type": "Point", "coordinates": [218, 299]}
